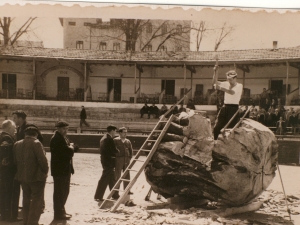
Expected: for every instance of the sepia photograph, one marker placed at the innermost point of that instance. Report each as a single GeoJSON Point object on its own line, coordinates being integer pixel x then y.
{"type": "Point", "coordinates": [115, 113]}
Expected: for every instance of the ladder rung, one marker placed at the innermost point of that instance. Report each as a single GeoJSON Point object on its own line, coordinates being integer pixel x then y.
{"type": "Point", "coordinates": [138, 160]}
{"type": "Point", "coordinates": [110, 200]}
{"type": "Point", "coordinates": [132, 170]}
{"type": "Point", "coordinates": [156, 131]}
{"type": "Point", "coordinates": [118, 190]}
{"type": "Point", "coordinates": [151, 141]}
{"type": "Point", "coordinates": [145, 150]}
{"type": "Point", "coordinates": [125, 180]}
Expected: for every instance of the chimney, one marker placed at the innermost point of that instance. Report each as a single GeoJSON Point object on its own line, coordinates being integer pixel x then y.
{"type": "Point", "coordinates": [275, 45]}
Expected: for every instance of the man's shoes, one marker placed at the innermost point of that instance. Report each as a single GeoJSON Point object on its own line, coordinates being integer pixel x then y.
{"type": "Point", "coordinates": [63, 217]}
{"type": "Point", "coordinates": [130, 203]}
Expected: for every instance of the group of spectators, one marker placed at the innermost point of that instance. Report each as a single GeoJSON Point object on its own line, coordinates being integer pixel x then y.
{"type": "Point", "coordinates": [276, 116]}
{"type": "Point", "coordinates": [23, 163]}
{"type": "Point", "coordinates": [156, 112]}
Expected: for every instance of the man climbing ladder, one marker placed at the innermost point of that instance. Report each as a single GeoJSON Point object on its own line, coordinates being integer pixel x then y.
{"type": "Point", "coordinates": [233, 92]}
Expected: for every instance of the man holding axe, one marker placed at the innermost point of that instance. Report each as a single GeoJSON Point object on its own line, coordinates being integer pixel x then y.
{"type": "Point", "coordinates": [233, 92]}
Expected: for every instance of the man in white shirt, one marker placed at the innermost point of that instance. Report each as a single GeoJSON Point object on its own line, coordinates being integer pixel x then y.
{"type": "Point", "coordinates": [233, 92]}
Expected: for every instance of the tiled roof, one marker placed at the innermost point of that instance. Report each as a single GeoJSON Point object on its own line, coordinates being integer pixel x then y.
{"type": "Point", "coordinates": [280, 54]}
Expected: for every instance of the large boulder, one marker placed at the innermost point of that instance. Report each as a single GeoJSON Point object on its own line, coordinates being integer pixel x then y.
{"type": "Point", "coordinates": [233, 170]}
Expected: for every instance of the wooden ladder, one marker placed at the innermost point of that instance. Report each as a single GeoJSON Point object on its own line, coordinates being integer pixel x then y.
{"type": "Point", "coordinates": [149, 146]}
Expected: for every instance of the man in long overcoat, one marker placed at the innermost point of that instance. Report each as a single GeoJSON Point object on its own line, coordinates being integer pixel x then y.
{"type": "Point", "coordinates": [62, 151]}
{"type": "Point", "coordinates": [7, 169]}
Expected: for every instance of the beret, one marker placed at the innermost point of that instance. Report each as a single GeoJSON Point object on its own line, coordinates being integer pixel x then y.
{"type": "Point", "coordinates": [231, 73]}
{"type": "Point", "coordinates": [61, 124]}
{"type": "Point", "coordinates": [112, 127]}
{"type": "Point", "coordinates": [31, 127]}
{"type": "Point", "coordinates": [19, 113]}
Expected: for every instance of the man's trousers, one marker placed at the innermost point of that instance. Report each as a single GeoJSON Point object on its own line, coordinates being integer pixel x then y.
{"type": "Point", "coordinates": [60, 194]}
{"type": "Point", "coordinates": [33, 200]}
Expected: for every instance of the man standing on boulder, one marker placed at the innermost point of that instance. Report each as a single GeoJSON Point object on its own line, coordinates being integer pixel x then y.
{"type": "Point", "coordinates": [233, 92]}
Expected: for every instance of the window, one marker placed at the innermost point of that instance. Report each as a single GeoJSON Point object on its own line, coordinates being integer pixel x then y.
{"type": "Point", "coordinates": [164, 29]}
{"type": "Point", "coordinates": [149, 28]}
{"type": "Point", "coordinates": [148, 48]}
{"type": "Point", "coordinates": [102, 45]}
{"type": "Point", "coordinates": [116, 46]}
{"type": "Point", "coordinates": [72, 23]}
{"type": "Point", "coordinates": [162, 48]}
{"type": "Point", "coordinates": [87, 24]}
{"type": "Point", "coordinates": [79, 44]}
{"type": "Point", "coordinates": [179, 29]}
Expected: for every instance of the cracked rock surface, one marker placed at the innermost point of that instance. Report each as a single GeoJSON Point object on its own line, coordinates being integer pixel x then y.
{"type": "Point", "coordinates": [233, 171]}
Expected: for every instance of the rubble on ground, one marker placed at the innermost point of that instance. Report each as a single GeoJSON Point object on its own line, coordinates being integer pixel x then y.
{"type": "Point", "coordinates": [273, 211]}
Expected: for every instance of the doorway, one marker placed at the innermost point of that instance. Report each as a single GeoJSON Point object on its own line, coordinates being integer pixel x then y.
{"type": "Point", "coordinates": [168, 86]}
{"type": "Point", "coordinates": [116, 85]}
{"type": "Point", "coordinates": [9, 85]}
{"type": "Point", "coordinates": [276, 87]}
{"type": "Point", "coordinates": [63, 88]}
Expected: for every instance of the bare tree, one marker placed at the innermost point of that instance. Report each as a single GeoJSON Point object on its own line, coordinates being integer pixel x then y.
{"type": "Point", "coordinates": [133, 31]}
{"type": "Point", "coordinates": [201, 30]}
{"type": "Point", "coordinates": [225, 31]}
{"type": "Point", "coordinates": [10, 39]}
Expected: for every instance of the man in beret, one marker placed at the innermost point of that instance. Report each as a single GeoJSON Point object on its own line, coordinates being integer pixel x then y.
{"type": "Point", "coordinates": [32, 169]}
{"type": "Point", "coordinates": [124, 156]}
{"type": "Point", "coordinates": [62, 151]}
{"type": "Point", "coordinates": [19, 117]}
{"type": "Point", "coordinates": [108, 153]}
{"type": "Point", "coordinates": [7, 169]}
{"type": "Point", "coordinates": [232, 96]}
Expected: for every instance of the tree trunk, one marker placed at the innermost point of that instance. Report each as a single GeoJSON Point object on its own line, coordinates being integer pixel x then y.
{"type": "Point", "coordinates": [234, 170]}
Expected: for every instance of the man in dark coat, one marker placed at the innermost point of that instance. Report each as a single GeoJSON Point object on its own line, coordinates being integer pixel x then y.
{"type": "Point", "coordinates": [19, 117]}
{"type": "Point", "coordinates": [32, 169]}
{"type": "Point", "coordinates": [83, 117]}
{"type": "Point", "coordinates": [191, 105]}
{"type": "Point", "coordinates": [108, 153]}
{"type": "Point", "coordinates": [145, 110]}
{"type": "Point", "coordinates": [62, 151]}
{"type": "Point", "coordinates": [153, 110]}
{"type": "Point", "coordinates": [7, 169]}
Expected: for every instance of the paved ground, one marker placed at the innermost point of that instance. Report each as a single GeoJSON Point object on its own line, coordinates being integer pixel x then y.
{"type": "Point", "coordinates": [85, 210]}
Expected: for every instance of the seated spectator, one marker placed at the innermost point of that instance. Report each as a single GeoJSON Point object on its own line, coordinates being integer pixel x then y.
{"type": "Point", "coordinates": [175, 110]}
{"type": "Point", "coordinates": [253, 113]}
{"type": "Point", "coordinates": [181, 109]}
{"type": "Point", "coordinates": [144, 110]}
{"type": "Point", "coordinates": [280, 126]}
{"type": "Point", "coordinates": [163, 109]}
{"type": "Point", "coordinates": [242, 112]}
{"type": "Point", "coordinates": [273, 103]}
{"type": "Point", "coordinates": [266, 106]}
{"type": "Point", "coordinates": [261, 115]}
{"type": "Point", "coordinates": [293, 120]}
{"type": "Point", "coordinates": [287, 115]}
{"type": "Point", "coordinates": [153, 110]}
{"type": "Point", "coordinates": [191, 105]}
{"type": "Point", "coordinates": [276, 116]}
